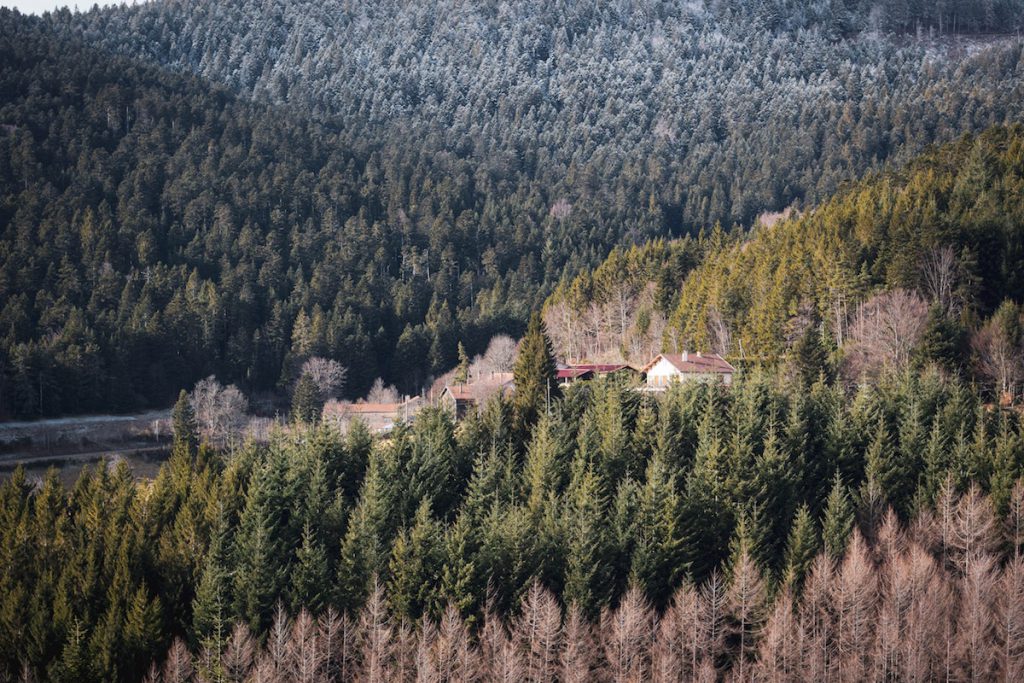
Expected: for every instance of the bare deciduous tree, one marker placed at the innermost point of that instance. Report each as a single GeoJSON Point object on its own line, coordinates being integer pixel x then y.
{"type": "Point", "coordinates": [577, 660]}
{"type": "Point", "coordinates": [626, 635]}
{"type": "Point", "coordinates": [974, 529]}
{"type": "Point", "coordinates": [375, 633]}
{"type": "Point", "coordinates": [816, 623]}
{"type": "Point", "coordinates": [220, 411]}
{"type": "Point", "coordinates": [998, 359]}
{"type": "Point", "coordinates": [1010, 608]}
{"type": "Point", "coordinates": [500, 659]}
{"type": "Point", "coordinates": [305, 654]}
{"type": "Point", "coordinates": [537, 632]}
{"type": "Point", "coordinates": [854, 601]}
{"type": "Point", "coordinates": [382, 394]}
{"type": "Point", "coordinates": [238, 654]}
{"type": "Point", "coordinates": [941, 273]}
{"type": "Point", "coordinates": [885, 330]}
{"type": "Point", "coordinates": [681, 638]}
{"type": "Point", "coordinates": [178, 666]}
{"type": "Point", "coordinates": [328, 375]}
{"type": "Point", "coordinates": [500, 355]}
{"type": "Point", "coordinates": [975, 651]}
{"type": "Point", "coordinates": [746, 602]}
{"type": "Point", "coordinates": [779, 650]}
{"type": "Point", "coordinates": [718, 331]}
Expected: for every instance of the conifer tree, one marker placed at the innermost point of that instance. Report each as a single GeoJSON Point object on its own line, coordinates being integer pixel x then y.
{"type": "Point", "coordinates": [838, 520]}
{"type": "Point", "coordinates": [183, 419]}
{"type": "Point", "coordinates": [810, 356]}
{"type": "Point", "coordinates": [211, 610]}
{"type": "Point", "coordinates": [885, 467]}
{"type": "Point", "coordinates": [656, 562]}
{"type": "Point", "coordinates": [458, 585]}
{"type": "Point", "coordinates": [306, 401]}
{"type": "Point", "coordinates": [801, 549]}
{"type": "Point", "coordinates": [415, 567]}
{"type": "Point", "coordinates": [310, 579]}
{"type": "Point", "coordinates": [461, 375]}
{"type": "Point", "coordinates": [586, 542]}
{"type": "Point", "coordinates": [363, 555]}
{"type": "Point", "coordinates": [542, 472]}
{"type": "Point", "coordinates": [534, 375]}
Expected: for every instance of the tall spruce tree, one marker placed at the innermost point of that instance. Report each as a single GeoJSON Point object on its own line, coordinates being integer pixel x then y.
{"type": "Point", "coordinates": [534, 375]}
{"type": "Point", "coordinates": [801, 548]}
{"type": "Point", "coordinates": [306, 401]}
{"type": "Point", "coordinates": [183, 420]}
{"type": "Point", "coordinates": [462, 369]}
{"type": "Point", "coordinates": [310, 580]}
{"type": "Point", "coordinates": [838, 521]}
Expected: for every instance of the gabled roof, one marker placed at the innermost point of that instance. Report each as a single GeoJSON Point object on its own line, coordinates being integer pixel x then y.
{"type": "Point", "coordinates": [694, 363]}
{"type": "Point", "coordinates": [338, 408]}
{"type": "Point", "coordinates": [574, 372]}
{"type": "Point", "coordinates": [602, 368]}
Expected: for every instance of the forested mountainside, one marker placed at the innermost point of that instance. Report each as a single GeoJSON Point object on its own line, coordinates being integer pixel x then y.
{"type": "Point", "coordinates": [644, 115]}
{"type": "Point", "coordinates": [728, 508]}
{"type": "Point", "coordinates": [156, 230]}
{"type": "Point", "coordinates": [380, 192]}
{"type": "Point", "coordinates": [935, 246]}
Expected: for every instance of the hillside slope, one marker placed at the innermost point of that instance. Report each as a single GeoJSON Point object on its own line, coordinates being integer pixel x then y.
{"type": "Point", "coordinates": [954, 212]}
{"type": "Point", "coordinates": [647, 117]}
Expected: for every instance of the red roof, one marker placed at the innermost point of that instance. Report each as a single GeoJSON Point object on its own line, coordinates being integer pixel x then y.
{"type": "Point", "coordinates": [602, 368]}
{"type": "Point", "coordinates": [573, 373]}
{"type": "Point", "coordinates": [694, 363]}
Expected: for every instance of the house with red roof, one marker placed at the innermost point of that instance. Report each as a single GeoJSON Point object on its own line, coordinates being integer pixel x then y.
{"type": "Point", "coordinates": [378, 417]}
{"type": "Point", "coordinates": [568, 374]}
{"type": "Point", "coordinates": [667, 368]}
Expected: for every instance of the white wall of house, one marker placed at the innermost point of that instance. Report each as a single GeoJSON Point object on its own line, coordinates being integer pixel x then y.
{"type": "Point", "coordinates": [663, 373]}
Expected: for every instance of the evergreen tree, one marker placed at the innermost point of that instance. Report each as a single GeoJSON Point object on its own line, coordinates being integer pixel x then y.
{"type": "Point", "coordinates": [461, 375]}
{"type": "Point", "coordinates": [586, 542]}
{"type": "Point", "coordinates": [363, 548]}
{"type": "Point", "coordinates": [306, 401]}
{"type": "Point", "coordinates": [415, 567]}
{"type": "Point", "coordinates": [310, 579]}
{"type": "Point", "coordinates": [838, 521]}
{"type": "Point", "coordinates": [534, 375]}
{"type": "Point", "coordinates": [810, 357]}
{"type": "Point", "coordinates": [657, 558]}
{"type": "Point", "coordinates": [458, 586]}
{"type": "Point", "coordinates": [801, 548]}
{"type": "Point", "coordinates": [944, 340]}
{"type": "Point", "coordinates": [183, 419]}
{"type": "Point", "coordinates": [888, 470]}
{"type": "Point", "coordinates": [211, 609]}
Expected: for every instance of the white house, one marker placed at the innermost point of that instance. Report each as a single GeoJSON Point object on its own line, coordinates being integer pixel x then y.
{"type": "Point", "coordinates": [685, 367]}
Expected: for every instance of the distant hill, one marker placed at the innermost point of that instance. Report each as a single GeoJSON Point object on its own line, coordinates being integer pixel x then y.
{"type": "Point", "coordinates": [195, 188]}
{"type": "Point", "coordinates": [949, 227]}
{"type": "Point", "coordinates": [648, 117]}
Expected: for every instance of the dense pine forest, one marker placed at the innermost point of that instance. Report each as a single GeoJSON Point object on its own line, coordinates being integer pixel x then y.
{"type": "Point", "coordinates": [196, 188]}
{"type": "Point", "coordinates": [283, 195]}
{"type": "Point", "coordinates": [928, 253]}
{"type": "Point", "coordinates": [777, 529]}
